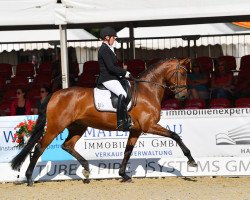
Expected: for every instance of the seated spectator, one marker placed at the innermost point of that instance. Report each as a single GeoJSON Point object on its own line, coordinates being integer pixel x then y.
{"type": "Point", "coordinates": [21, 105]}
{"type": "Point", "coordinates": [197, 83]}
{"type": "Point", "coordinates": [34, 61]}
{"type": "Point", "coordinates": [222, 82]}
{"type": "Point", "coordinates": [44, 92]}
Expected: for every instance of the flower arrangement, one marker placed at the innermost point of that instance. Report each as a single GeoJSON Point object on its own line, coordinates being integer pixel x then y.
{"type": "Point", "coordinates": [23, 132]}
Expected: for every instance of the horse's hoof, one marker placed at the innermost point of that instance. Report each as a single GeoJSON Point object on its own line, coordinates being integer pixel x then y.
{"type": "Point", "coordinates": [126, 179]}
{"type": "Point", "coordinates": [86, 181]}
{"type": "Point", "coordinates": [30, 183]}
{"type": "Point", "coordinates": [85, 173]}
{"type": "Point", "coordinates": [192, 163]}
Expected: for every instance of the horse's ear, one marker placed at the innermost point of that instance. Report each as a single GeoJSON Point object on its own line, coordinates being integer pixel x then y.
{"type": "Point", "coordinates": [185, 61]}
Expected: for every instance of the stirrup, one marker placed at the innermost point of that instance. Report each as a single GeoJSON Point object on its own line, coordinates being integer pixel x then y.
{"type": "Point", "coordinates": [125, 126]}
{"type": "Point", "coordinates": [120, 127]}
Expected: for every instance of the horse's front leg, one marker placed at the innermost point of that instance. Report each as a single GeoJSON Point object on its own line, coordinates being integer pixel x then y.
{"type": "Point", "coordinates": [159, 130]}
{"type": "Point", "coordinates": [133, 137]}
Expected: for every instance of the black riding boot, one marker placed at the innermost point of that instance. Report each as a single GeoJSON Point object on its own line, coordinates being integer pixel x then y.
{"type": "Point", "coordinates": [124, 122]}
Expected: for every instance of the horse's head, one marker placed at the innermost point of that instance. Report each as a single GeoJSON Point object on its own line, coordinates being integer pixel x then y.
{"type": "Point", "coordinates": [178, 78]}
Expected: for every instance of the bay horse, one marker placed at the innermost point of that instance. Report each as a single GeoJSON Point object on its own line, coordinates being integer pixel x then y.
{"type": "Point", "coordinates": [73, 108]}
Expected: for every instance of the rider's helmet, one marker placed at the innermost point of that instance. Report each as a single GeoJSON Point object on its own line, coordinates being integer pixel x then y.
{"type": "Point", "coordinates": [107, 31]}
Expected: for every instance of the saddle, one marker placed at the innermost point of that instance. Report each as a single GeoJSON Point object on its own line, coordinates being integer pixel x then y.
{"type": "Point", "coordinates": [105, 100]}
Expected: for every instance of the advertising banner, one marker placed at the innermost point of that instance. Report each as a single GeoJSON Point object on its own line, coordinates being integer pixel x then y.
{"type": "Point", "coordinates": [8, 149]}
{"type": "Point", "coordinates": [219, 139]}
{"type": "Point", "coordinates": [213, 132]}
{"type": "Point", "coordinates": [71, 169]}
{"type": "Point", "coordinates": [207, 166]}
{"type": "Point", "coordinates": [210, 132]}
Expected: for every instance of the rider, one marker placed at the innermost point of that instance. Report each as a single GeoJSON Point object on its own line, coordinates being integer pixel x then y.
{"type": "Point", "coordinates": [111, 73]}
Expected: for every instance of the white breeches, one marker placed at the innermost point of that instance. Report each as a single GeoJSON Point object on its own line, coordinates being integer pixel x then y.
{"type": "Point", "coordinates": [115, 87]}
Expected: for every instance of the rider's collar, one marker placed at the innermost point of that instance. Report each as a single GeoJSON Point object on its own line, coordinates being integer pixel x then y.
{"type": "Point", "coordinates": [111, 47]}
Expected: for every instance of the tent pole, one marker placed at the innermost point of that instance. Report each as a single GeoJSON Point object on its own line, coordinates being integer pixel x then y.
{"type": "Point", "coordinates": [56, 53]}
{"type": "Point", "coordinates": [64, 56]}
{"type": "Point", "coordinates": [132, 42]}
{"type": "Point", "coordinates": [189, 48]}
{"type": "Point", "coordinates": [128, 48]}
{"type": "Point", "coordinates": [122, 52]}
{"type": "Point", "coordinates": [195, 49]}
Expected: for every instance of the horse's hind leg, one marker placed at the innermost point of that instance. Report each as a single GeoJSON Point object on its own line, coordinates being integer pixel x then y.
{"type": "Point", "coordinates": [76, 130]}
{"type": "Point", "coordinates": [133, 137]}
{"type": "Point", "coordinates": [51, 133]}
{"type": "Point", "coordinates": [159, 130]}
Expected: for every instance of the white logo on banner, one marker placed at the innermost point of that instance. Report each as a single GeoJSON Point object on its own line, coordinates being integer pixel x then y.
{"type": "Point", "coordinates": [239, 135]}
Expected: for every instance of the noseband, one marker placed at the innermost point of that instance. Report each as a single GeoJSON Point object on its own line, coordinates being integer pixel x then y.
{"type": "Point", "coordinates": [176, 88]}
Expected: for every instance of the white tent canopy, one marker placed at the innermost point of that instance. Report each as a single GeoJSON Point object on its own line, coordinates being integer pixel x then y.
{"type": "Point", "coordinates": [28, 12]}
{"type": "Point", "coordinates": [33, 39]}
{"type": "Point", "coordinates": [177, 31]}
{"type": "Point", "coordinates": [43, 35]}
{"type": "Point", "coordinates": [49, 12]}
{"type": "Point", "coordinates": [91, 11]}
{"type": "Point", "coordinates": [236, 45]}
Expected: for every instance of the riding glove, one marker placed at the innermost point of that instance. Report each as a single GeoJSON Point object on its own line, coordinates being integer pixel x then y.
{"type": "Point", "coordinates": [127, 75]}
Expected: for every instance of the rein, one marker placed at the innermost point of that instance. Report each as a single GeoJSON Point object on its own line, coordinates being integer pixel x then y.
{"type": "Point", "coordinates": [144, 81]}
{"type": "Point", "coordinates": [173, 88]}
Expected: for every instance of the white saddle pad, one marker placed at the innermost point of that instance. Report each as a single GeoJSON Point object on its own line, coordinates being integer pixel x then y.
{"type": "Point", "coordinates": [103, 101]}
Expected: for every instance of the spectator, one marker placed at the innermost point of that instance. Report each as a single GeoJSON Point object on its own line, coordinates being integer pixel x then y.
{"type": "Point", "coordinates": [21, 105]}
{"type": "Point", "coordinates": [44, 92]}
{"type": "Point", "coordinates": [197, 83]}
{"type": "Point", "coordinates": [34, 61]}
{"type": "Point", "coordinates": [221, 82]}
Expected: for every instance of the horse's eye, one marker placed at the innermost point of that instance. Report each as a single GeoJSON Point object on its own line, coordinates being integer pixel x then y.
{"type": "Point", "coordinates": [183, 74]}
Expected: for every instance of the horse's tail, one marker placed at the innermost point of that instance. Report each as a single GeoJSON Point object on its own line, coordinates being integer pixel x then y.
{"type": "Point", "coordinates": [35, 136]}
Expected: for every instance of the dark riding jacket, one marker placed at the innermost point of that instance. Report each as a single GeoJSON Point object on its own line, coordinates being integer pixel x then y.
{"type": "Point", "coordinates": [109, 70]}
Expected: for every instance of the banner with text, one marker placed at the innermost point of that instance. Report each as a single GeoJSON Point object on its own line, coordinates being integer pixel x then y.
{"type": "Point", "coordinates": [219, 139]}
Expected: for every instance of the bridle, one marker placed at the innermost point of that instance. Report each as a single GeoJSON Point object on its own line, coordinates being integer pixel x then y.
{"type": "Point", "coordinates": [176, 88]}
{"type": "Point", "coordinates": [173, 87]}
{"type": "Point", "coordinates": [176, 85]}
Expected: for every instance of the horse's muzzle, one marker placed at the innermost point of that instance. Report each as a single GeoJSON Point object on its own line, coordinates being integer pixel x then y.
{"type": "Point", "coordinates": [181, 95]}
